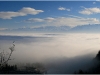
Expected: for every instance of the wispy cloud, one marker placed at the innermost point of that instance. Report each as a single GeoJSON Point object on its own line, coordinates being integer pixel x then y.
{"type": "Point", "coordinates": [63, 8]}
{"type": "Point", "coordinates": [71, 21]}
{"type": "Point", "coordinates": [89, 11]}
{"type": "Point", "coordinates": [23, 12]}
{"type": "Point", "coordinates": [74, 21]}
{"type": "Point", "coordinates": [34, 20]}
{"type": "Point", "coordinates": [75, 16]}
{"type": "Point", "coordinates": [3, 29]}
{"type": "Point", "coordinates": [94, 2]}
{"type": "Point", "coordinates": [48, 19]}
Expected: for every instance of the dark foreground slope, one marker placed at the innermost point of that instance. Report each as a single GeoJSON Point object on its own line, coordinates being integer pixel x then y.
{"type": "Point", "coordinates": [13, 69]}
{"type": "Point", "coordinates": [40, 69]}
{"type": "Point", "coordinates": [94, 69]}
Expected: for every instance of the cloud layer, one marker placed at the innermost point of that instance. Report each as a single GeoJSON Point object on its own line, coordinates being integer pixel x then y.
{"type": "Point", "coordinates": [23, 12]}
{"type": "Point", "coordinates": [71, 21]}
{"type": "Point", "coordinates": [61, 53]}
{"type": "Point", "coordinates": [3, 29]}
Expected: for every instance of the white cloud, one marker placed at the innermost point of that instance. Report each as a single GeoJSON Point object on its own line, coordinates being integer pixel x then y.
{"type": "Point", "coordinates": [89, 11]}
{"type": "Point", "coordinates": [74, 16]}
{"type": "Point", "coordinates": [28, 10]}
{"type": "Point", "coordinates": [23, 12]}
{"type": "Point", "coordinates": [3, 28]}
{"type": "Point", "coordinates": [62, 8]}
{"type": "Point", "coordinates": [48, 19]}
{"type": "Point", "coordinates": [71, 21]}
{"type": "Point", "coordinates": [34, 20]}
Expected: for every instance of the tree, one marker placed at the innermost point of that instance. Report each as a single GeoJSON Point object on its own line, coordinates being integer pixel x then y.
{"type": "Point", "coordinates": [3, 56]}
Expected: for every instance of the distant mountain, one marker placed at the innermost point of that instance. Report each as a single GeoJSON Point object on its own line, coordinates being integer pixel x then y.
{"type": "Point", "coordinates": [95, 68]}
{"type": "Point", "coordinates": [98, 56]}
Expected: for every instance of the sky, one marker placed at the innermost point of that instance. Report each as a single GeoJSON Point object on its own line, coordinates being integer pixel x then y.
{"type": "Point", "coordinates": [49, 0]}
{"type": "Point", "coordinates": [22, 18]}
{"type": "Point", "coordinates": [47, 15]}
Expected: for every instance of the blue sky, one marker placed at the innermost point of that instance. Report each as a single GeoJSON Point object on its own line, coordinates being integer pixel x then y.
{"type": "Point", "coordinates": [49, 0]}
{"type": "Point", "coordinates": [36, 14]}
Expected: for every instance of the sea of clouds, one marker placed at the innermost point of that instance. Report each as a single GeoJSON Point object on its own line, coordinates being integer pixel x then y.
{"type": "Point", "coordinates": [59, 52]}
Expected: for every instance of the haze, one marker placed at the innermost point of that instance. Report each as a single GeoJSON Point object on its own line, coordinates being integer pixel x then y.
{"type": "Point", "coordinates": [56, 51]}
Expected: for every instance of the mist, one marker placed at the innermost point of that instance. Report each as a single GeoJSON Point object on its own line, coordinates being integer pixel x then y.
{"type": "Point", "coordinates": [60, 53]}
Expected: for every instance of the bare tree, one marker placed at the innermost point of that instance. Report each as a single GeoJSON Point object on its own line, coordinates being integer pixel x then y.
{"type": "Point", "coordinates": [3, 56]}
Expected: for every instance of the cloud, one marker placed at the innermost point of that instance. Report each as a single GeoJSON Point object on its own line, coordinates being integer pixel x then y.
{"type": "Point", "coordinates": [94, 2]}
{"type": "Point", "coordinates": [89, 11]}
{"type": "Point", "coordinates": [28, 10]}
{"type": "Point", "coordinates": [3, 28]}
{"type": "Point", "coordinates": [74, 16]}
{"type": "Point", "coordinates": [34, 20]}
{"type": "Point", "coordinates": [68, 9]}
{"type": "Point", "coordinates": [62, 8]}
{"type": "Point", "coordinates": [48, 19]}
{"type": "Point", "coordinates": [55, 52]}
{"type": "Point", "coordinates": [73, 21]}
{"type": "Point", "coordinates": [23, 12]}
{"type": "Point", "coordinates": [70, 21]}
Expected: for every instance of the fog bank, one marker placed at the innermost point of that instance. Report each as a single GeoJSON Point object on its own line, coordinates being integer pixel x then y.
{"type": "Point", "coordinates": [60, 53]}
